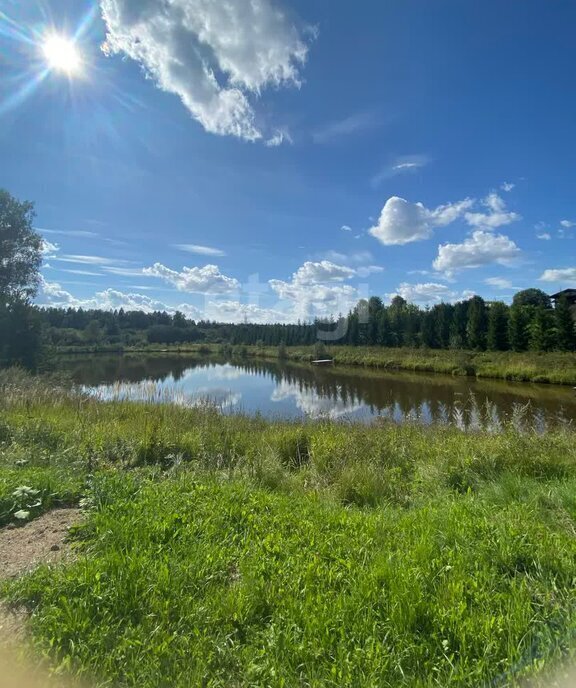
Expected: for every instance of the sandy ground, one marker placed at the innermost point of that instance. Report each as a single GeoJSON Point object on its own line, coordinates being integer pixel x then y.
{"type": "Point", "coordinates": [22, 549]}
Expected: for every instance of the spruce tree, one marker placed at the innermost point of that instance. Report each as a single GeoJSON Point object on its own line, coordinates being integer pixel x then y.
{"type": "Point", "coordinates": [541, 329]}
{"type": "Point", "coordinates": [498, 327]}
{"type": "Point", "coordinates": [518, 328]}
{"type": "Point", "coordinates": [565, 326]}
{"type": "Point", "coordinates": [477, 325]}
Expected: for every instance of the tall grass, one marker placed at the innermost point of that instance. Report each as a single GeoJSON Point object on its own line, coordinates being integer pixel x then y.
{"type": "Point", "coordinates": [231, 551]}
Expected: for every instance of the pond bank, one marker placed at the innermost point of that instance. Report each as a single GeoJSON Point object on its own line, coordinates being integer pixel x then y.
{"type": "Point", "coordinates": [557, 368]}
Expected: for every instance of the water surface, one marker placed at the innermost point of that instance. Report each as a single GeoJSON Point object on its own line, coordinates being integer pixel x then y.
{"type": "Point", "coordinates": [294, 391]}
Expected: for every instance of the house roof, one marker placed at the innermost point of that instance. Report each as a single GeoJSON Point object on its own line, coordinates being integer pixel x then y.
{"type": "Point", "coordinates": [570, 293]}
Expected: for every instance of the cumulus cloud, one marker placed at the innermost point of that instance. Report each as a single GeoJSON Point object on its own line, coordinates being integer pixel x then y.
{"type": "Point", "coordinates": [213, 55]}
{"type": "Point", "coordinates": [545, 236]}
{"type": "Point", "coordinates": [482, 248]}
{"type": "Point", "coordinates": [496, 216]}
{"type": "Point", "coordinates": [428, 293]}
{"type": "Point", "coordinates": [200, 250]}
{"type": "Point", "coordinates": [324, 271]}
{"type": "Point", "coordinates": [402, 222]}
{"type": "Point", "coordinates": [234, 311]}
{"type": "Point", "coordinates": [498, 282]}
{"type": "Point", "coordinates": [507, 186]}
{"type": "Point", "coordinates": [567, 224]}
{"type": "Point", "coordinates": [206, 280]}
{"type": "Point", "coordinates": [361, 260]}
{"type": "Point", "coordinates": [559, 275]}
{"type": "Point", "coordinates": [53, 294]}
{"type": "Point", "coordinates": [317, 289]}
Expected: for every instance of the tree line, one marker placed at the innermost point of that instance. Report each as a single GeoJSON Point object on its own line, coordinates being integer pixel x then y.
{"type": "Point", "coordinates": [530, 323]}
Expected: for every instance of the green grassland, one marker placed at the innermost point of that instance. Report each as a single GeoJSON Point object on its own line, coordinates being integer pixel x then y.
{"type": "Point", "coordinates": [233, 551]}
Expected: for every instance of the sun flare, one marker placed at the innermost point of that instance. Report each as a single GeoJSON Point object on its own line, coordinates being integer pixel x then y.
{"type": "Point", "coordinates": [62, 55]}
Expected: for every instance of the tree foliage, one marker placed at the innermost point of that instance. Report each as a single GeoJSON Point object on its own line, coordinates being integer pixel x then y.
{"type": "Point", "coordinates": [20, 259]}
{"type": "Point", "coordinates": [20, 249]}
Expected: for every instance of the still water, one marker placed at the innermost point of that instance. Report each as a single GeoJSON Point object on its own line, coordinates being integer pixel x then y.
{"type": "Point", "coordinates": [290, 391]}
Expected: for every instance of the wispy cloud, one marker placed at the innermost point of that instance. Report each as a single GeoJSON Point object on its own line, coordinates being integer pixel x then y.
{"type": "Point", "coordinates": [83, 272]}
{"type": "Point", "coordinates": [90, 260]}
{"type": "Point", "coordinates": [498, 282]}
{"type": "Point", "coordinates": [124, 272]}
{"type": "Point", "coordinates": [200, 250]}
{"type": "Point", "coordinates": [71, 233]}
{"type": "Point", "coordinates": [405, 164]}
{"type": "Point", "coordinates": [348, 126]}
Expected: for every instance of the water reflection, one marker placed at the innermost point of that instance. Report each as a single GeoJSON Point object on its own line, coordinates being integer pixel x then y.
{"type": "Point", "coordinates": [296, 391]}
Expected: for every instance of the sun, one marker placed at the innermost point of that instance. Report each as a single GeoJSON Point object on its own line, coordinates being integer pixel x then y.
{"type": "Point", "coordinates": [62, 55]}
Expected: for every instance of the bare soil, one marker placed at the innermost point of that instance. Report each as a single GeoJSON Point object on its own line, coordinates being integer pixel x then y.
{"type": "Point", "coordinates": [22, 549]}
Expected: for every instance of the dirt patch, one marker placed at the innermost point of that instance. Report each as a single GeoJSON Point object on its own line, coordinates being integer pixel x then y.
{"type": "Point", "coordinates": [42, 541]}
{"type": "Point", "coordinates": [39, 542]}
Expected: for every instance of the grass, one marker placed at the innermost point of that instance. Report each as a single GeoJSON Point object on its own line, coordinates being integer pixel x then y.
{"type": "Point", "coordinates": [231, 551]}
{"type": "Point", "coordinates": [539, 367]}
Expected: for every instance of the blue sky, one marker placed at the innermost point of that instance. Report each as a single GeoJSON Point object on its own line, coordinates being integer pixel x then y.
{"type": "Point", "coordinates": [276, 159]}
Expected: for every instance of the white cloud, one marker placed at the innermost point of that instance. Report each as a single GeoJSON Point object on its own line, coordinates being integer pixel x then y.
{"type": "Point", "coordinates": [74, 233]}
{"type": "Point", "coordinates": [124, 272]}
{"type": "Point", "coordinates": [507, 186]}
{"type": "Point", "coordinates": [213, 55]}
{"type": "Point", "coordinates": [567, 224]}
{"type": "Point", "coordinates": [206, 280]}
{"type": "Point", "coordinates": [49, 249]}
{"type": "Point", "coordinates": [278, 138]}
{"type": "Point", "coordinates": [428, 293]}
{"type": "Point", "coordinates": [559, 275]}
{"type": "Point", "coordinates": [402, 222]}
{"type": "Point", "coordinates": [234, 311]}
{"type": "Point", "coordinates": [498, 282]}
{"type": "Point", "coordinates": [90, 260]}
{"type": "Point", "coordinates": [403, 165]}
{"type": "Point", "coordinates": [345, 127]}
{"type": "Point", "coordinates": [200, 250]}
{"type": "Point", "coordinates": [361, 259]}
{"type": "Point", "coordinates": [497, 214]}
{"type": "Point", "coordinates": [52, 294]}
{"type": "Point", "coordinates": [482, 248]}
{"type": "Point", "coordinates": [89, 273]}
{"type": "Point", "coordinates": [324, 271]}
{"type": "Point", "coordinates": [545, 236]}
{"type": "Point", "coordinates": [406, 166]}
{"type": "Point", "coordinates": [367, 270]}
{"type": "Point", "coordinates": [346, 228]}
{"type": "Point", "coordinates": [316, 289]}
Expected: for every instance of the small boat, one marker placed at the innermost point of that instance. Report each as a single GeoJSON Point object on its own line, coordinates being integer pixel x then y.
{"type": "Point", "coordinates": [324, 361]}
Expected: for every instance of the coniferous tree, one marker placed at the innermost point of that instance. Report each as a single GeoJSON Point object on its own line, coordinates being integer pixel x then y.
{"type": "Point", "coordinates": [477, 325]}
{"type": "Point", "coordinates": [541, 335]}
{"type": "Point", "coordinates": [518, 334]}
{"type": "Point", "coordinates": [498, 327]}
{"type": "Point", "coordinates": [565, 326]}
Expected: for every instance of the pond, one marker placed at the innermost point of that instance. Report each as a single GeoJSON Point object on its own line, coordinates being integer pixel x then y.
{"type": "Point", "coordinates": [295, 391]}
